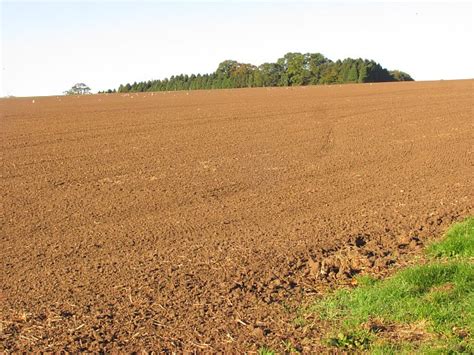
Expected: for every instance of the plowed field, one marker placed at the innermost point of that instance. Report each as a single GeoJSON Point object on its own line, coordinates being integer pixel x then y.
{"type": "Point", "coordinates": [200, 220]}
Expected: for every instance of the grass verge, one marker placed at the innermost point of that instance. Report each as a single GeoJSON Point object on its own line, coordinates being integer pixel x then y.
{"type": "Point", "coordinates": [427, 308]}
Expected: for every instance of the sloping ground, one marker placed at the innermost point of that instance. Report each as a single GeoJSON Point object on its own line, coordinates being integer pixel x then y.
{"type": "Point", "coordinates": [174, 221]}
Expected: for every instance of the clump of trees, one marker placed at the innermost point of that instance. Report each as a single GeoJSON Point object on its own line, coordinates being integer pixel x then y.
{"type": "Point", "coordinates": [109, 91]}
{"type": "Point", "coordinates": [293, 69]}
{"type": "Point", "coordinates": [78, 89]}
{"type": "Point", "coordinates": [400, 76]}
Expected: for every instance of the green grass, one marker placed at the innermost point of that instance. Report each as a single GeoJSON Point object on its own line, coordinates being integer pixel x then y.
{"type": "Point", "coordinates": [265, 351]}
{"type": "Point", "coordinates": [457, 242]}
{"type": "Point", "coordinates": [427, 308]}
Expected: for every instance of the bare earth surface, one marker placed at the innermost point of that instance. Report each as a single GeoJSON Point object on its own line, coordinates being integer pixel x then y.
{"type": "Point", "coordinates": [198, 221]}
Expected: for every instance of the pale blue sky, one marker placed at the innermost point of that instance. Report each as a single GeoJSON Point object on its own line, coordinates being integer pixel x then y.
{"type": "Point", "coordinates": [47, 47]}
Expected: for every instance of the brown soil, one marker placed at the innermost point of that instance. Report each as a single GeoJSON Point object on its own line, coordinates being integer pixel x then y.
{"type": "Point", "coordinates": [198, 221]}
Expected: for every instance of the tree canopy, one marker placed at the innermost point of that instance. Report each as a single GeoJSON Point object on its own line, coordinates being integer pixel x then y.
{"type": "Point", "coordinates": [78, 89]}
{"type": "Point", "coordinates": [293, 69]}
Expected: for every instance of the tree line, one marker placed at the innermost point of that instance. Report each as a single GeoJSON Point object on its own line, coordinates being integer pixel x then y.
{"type": "Point", "coordinates": [293, 69]}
